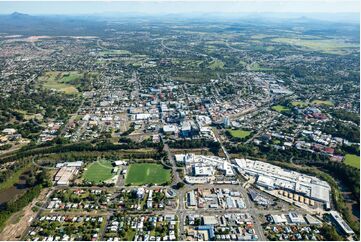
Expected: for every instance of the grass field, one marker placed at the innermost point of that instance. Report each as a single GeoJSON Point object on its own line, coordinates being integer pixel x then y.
{"type": "Point", "coordinates": [352, 160]}
{"type": "Point", "coordinates": [242, 63]}
{"type": "Point", "coordinates": [98, 171]}
{"type": "Point", "coordinates": [193, 76]}
{"type": "Point", "coordinates": [280, 108]}
{"type": "Point", "coordinates": [216, 64]}
{"type": "Point", "coordinates": [238, 133]}
{"type": "Point", "coordinates": [299, 104]}
{"type": "Point", "coordinates": [330, 46]}
{"type": "Point", "coordinates": [115, 52]}
{"type": "Point", "coordinates": [261, 36]}
{"type": "Point", "coordinates": [256, 67]}
{"type": "Point", "coordinates": [60, 81]}
{"type": "Point", "coordinates": [323, 102]}
{"type": "Point", "coordinates": [147, 173]}
{"type": "Point", "coordinates": [70, 82]}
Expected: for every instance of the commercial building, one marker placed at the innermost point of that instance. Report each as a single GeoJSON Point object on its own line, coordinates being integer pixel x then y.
{"type": "Point", "coordinates": [170, 129]}
{"type": "Point", "coordinates": [70, 164]}
{"type": "Point", "coordinates": [279, 219]}
{"type": "Point", "coordinates": [191, 199]}
{"type": "Point", "coordinates": [274, 177]}
{"type": "Point", "coordinates": [200, 170]}
{"type": "Point", "coordinates": [296, 218]}
{"type": "Point", "coordinates": [340, 223]}
{"type": "Point", "coordinates": [65, 174]}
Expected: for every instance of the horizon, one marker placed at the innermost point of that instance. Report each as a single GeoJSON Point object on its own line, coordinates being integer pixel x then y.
{"type": "Point", "coordinates": [180, 7]}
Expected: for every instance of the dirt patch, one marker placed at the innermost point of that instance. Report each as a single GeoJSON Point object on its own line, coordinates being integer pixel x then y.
{"type": "Point", "coordinates": [20, 221]}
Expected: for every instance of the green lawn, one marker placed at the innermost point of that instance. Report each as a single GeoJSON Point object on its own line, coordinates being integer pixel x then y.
{"type": "Point", "coordinates": [147, 173]}
{"type": "Point", "coordinates": [238, 133]}
{"type": "Point", "coordinates": [115, 52]}
{"type": "Point", "coordinates": [60, 81]}
{"type": "Point", "coordinates": [323, 102]}
{"type": "Point", "coordinates": [352, 160]}
{"type": "Point", "coordinates": [98, 171]}
{"type": "Point", "coordinates": [280, 108]}
{"type": "Point", "coordinates": [299, 104]}
{"type": "Point", "coordinates": [242, 63]}
{"type": "Point", "coordinates": [256, 67]}
{"type": "Point", "coordinates": [216, 64]}
{"type": "Point", "coordinates": [330, 46]}
{"type": "Point", "coordinates": [69, 82]}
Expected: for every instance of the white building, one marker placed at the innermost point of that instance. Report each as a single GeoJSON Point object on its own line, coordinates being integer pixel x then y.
{"type": "Point", "coordinates": [199, 170]}
{"type": "Point", "coordinates": [336, 218]}
{"type": "Point", "coordinates": [275, 177]}
{"type": "Point", "coordinates": [170, 129]}
{"type": "Point", "coordinates": [9, 131]}
{"type": "Point", "coordinates": [296, 218]}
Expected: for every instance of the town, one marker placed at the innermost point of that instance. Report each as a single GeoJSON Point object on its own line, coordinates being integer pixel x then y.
{"type": "Point", "coordinates": [160, 130]}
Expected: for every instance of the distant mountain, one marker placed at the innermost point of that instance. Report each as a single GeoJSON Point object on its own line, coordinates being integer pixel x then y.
{"type": "Point", "coordinates": [18, 15]}
{"type": "Point", "coordinates": [96, 25]}
{"type": "Point", "coordinates": [24, 24]}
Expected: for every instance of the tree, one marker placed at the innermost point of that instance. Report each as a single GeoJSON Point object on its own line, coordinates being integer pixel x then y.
{"type": "Point", "coordinates": [179, 185]}
{"type": "Point", "coordinates": [330, 233]}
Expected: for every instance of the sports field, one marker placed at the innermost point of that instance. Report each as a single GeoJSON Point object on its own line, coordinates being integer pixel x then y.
{"type": "Point", "coordinates": [147, 173]}
{"type": "Point", "coordinates": [323, 102]}
{"type": "Point", "coordinates": [238, 133]}
{"type": "Point", "coordinates": [98, 171]}
{"type": "Point", "coordinates": [280, 108]}
{"type": "Point", "coordinates": [352, 160]}
{"type": "Point", "coordinates": [299, 104]}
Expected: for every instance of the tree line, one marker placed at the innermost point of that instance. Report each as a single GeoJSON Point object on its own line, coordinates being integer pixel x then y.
{"type": "Point", "coordinates": [213, 146]}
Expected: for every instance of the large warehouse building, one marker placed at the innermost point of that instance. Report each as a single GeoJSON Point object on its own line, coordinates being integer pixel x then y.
{"type": "Point", "coordinates": [275, 177]}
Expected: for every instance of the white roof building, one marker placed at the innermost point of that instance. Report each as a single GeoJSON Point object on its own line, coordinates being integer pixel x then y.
{"type": "Point", "coordinates": [142, 116]}
{"type": "Point", "coordinates": [296, 218]}
{"type": "Point", "coordinates": [120, 162]}
{"type": "Point", "coordinates": [226, 168]}
{"type": "Point", "coordinates": [312, 220]}
{"type": "Point", "coordinates": [170, 129]}
{"type": "Point", "coordinates": [279, 219]}
{"type": "Point", "coordinates": [9, 131]}
{"type": "Point", "coordinates": [203, 170]}
{"type": "Point", "coordinates": [271, 176]}
{"type": "Point", "coordinates": [210, 220]}
{"type": "Point", "coordinates": [341, 223]}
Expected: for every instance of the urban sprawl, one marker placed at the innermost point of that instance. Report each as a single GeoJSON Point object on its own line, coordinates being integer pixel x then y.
{"type": "Point", "coordinates": [160, 130]}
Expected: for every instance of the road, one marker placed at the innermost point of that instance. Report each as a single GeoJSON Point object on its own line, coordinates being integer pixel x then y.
{"type": "Point", "coordinates": [175, 173]}
{"type": "Point", "coordinates": [261, 131]}
{"type": "Point", "coordinates": [181, 211]}
{"type": "Point", "coordinates": [215, 131]}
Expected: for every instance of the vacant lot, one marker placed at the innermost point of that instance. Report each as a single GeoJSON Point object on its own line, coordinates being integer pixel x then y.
{"type": "Point", "coordinates": [238, 133]}
{"type": "Point", "coordinates": [147, 173]}
{"type": "Point", "coordinates": [98, 171]}
{"type": "Point", "coordinates": [280, 108]}
{"type": "Point", "coordinates": [352, 160]}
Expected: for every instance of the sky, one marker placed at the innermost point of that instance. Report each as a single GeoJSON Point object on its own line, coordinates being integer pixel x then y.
{"type": "Point", "coordinates": [177, 7]}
